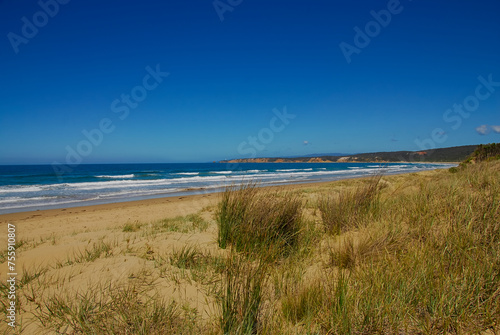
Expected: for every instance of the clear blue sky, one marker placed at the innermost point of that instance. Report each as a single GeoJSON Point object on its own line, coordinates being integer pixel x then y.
{"type": "Point", "coordinates": [226, 77]}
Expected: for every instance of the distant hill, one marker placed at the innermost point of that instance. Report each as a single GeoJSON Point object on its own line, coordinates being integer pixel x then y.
{"type": "Point", "coordinates": [453, 154]}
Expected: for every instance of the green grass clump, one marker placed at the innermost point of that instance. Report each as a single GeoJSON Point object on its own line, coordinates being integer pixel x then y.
{"type": "Point", "coordinates": [261, 226]}
{"type": "Point", "coordinates": [254, 221]}
{"type": "Point", "coordinates": [350, 207]}
{"type": "Point", "coordinates": [186, 258]}
{"type": "Point", "coordinates": [241, 295]}
{"type": "Point", "coordinates": [232, 211]}
{"type": "Point", "coordinates": [302, 303]}
{"type": "Point", "coordinates": [131, 227]}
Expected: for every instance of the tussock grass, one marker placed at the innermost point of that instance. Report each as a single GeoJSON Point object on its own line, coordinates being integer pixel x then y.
{"type": "Point", "coordinates": [302, 302]}
{"type": "Point", "coordinates": [232, 211]}
{"type": "Point", "coordinates": [348, 209]}
{"type": "Point", "coordinates": [254, 221]}
{"type": "Point", "coordinates": [371, 245]}
{"type": "Point", "coordinates": [261, 227]}
{"type": "Point", "coordinates": [240, 297]}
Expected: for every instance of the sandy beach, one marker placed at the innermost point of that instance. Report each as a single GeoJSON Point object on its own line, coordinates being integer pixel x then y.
{"type": "Point", "coordinates": [53, 241]}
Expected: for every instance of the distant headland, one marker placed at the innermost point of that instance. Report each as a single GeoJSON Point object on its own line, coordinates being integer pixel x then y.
{"type": "Point", "coordinates": [452, 154]}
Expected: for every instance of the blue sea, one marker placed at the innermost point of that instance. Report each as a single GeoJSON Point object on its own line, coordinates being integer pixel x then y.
{"type": "Point", "coordinates": [33, 187]}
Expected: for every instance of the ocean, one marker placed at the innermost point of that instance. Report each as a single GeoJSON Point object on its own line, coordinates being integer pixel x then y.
{"type": "Point", "coordinates": [36, 187]}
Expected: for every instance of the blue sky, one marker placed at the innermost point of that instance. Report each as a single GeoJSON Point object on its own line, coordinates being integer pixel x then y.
{"type": "Point", "coordinates": [67, 65]}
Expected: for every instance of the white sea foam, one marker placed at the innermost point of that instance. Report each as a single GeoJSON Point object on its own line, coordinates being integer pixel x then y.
{"type": "Point", "coordinates": [40, 204]}
{"type": "Point", "coordinates": [135, 193]}
{"type": "Point", "coordinates": [10, 199]}
{"type": "Point", "coordinates": [293, 170]}
{"type": "Point", "coordinates": [20, 199]}
{"type": "Point", "coordinates": [192, 179]}
{"type": "Point", "coordinates": [123, 187]}
{"type": "Point", "coordinates": [117, 176]}
{"type": "Point", "coordinates": [113, 184]}
{"type": "Point", "coordinates": [20, 189]}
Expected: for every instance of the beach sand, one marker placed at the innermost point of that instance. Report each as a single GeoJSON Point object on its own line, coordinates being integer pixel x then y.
{"type": "Point", "coordinates": [94, 250]}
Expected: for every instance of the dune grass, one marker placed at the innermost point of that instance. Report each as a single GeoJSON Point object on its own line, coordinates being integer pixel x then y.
{"type": "Point", "coordinates": [254, 221]}
{"type": "Point", "coordinates": [89, 254]}
{"type": "Point", "coordinates": [429, 263]}
{"type": "Point", "coordinates": [347, 210]}
{"type": "Point", "coordinates": [241, 294]}
{"type": "Point", "coordinates": [424, 261]}
{"type": "Point", "coordinates": [412, 254]}
{"type": "Point", "coordinates": [113, 310]}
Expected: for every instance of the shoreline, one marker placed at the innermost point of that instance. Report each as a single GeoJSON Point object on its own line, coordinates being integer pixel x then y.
{"type": "Point", "coordinates": [173, 199]}
{"type": "Point", "coordinates": [136, 204]}
{"type": "Point", "coordinates": [190, 191]}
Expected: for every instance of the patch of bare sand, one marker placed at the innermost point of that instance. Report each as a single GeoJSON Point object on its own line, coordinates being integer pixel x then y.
{"type": "Point", "coordinates": [74, 251]}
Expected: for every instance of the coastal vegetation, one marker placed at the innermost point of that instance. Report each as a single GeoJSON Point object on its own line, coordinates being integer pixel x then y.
{"type": "Point", "coordinates": [404, 254]}
{"type": "Point", "coordinates": [484, 152]}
